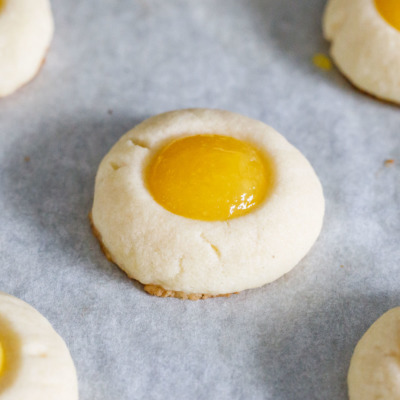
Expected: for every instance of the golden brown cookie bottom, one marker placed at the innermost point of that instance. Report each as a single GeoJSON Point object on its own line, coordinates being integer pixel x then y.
{"type": "Point", "coordinates": [363, 91]}
{"type": "Point", "coordinates": [155, 290]}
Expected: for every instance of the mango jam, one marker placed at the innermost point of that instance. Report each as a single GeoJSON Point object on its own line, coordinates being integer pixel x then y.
{"type": "Point", "coordinates": [2, 359]}
{"type": "Point", "coordinates": [210, 177]}
{"type": "Point", "coordinates": [390, 11]}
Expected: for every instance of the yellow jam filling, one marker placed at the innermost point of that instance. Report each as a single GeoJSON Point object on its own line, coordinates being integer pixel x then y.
{"type": "Point", "coordinates": [2, 4]}
{"type": "Point", "coordinates": [210, 177]}
{"type": "Point", "coordinates": [390, 11]}
{"type": "Point", "coordinates": [2, 359]}
{"type": "Point", "coordinates": [322, 61]}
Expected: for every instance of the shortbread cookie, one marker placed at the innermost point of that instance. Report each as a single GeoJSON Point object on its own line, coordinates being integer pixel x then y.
{"type": "Point", "coordinates": [365, 44]}
{"type": "Point", "coordinates": [35, 363]}
{"type": "Point", "coordinates": [205, 202]}
{"type": "Point", "coordinates": [26, 29]}
{"type": "Point", "coordinates": [374, 371]}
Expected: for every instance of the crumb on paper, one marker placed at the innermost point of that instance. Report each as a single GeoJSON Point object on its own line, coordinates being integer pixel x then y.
{"type": "Point", "coordinates": [110, 111]}
{"type": "Point", "coordinates": [322, 61]}
{"type": "Point", "coordinates": [342, 266]}
{"type": "Point", "coordinates": [388, 162]}
{"type": "Point", "coordinates": [27, 159]}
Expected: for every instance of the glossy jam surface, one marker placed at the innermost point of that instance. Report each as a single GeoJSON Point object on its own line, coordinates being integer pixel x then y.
{"type": "Point", "coordinates": [390, 11]}
{"type": "Point", "coordinates": [2, 359]}
{"type": "Point", "coordinates": [210, 177]}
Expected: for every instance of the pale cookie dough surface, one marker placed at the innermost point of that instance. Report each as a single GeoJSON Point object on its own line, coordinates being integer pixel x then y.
{"type": "Point", "coordinates": [159, 248]}
{"type": "Point", "coordinates": [374, 371]}
{"type": "Point", "coordinates": [38, 363]}
{"type": "Point", "coordinates": [364, 46]}
{"type": "Point", "coordinates": [26, 29]}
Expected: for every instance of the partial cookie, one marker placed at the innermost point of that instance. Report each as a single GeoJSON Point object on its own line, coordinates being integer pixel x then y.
{"type": "Point", "coordinates": [374, 371]}
{"type": "Point", "coordinates": [365, 44]}
{"type": "Point", "coordinates": [35, 363]}
{"type": "Point", "coordinates": [200, 203]}
{"type": "Point", "coordinates": [26, 29]}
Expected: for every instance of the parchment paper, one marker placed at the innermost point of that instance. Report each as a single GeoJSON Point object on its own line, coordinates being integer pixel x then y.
{"type": "Point", "coordinates": [114, 63]}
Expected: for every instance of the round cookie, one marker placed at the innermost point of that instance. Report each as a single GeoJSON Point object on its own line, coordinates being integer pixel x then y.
{"type": "Point", "coordinates": [374, 371]}
{"type": "Point", "coordinates": [35, 363]}
{"type": "Point", "coordinates": [365, 44]}
{"type": "Point", "coordinates": [26, 29]}
{"type": "Point", "coordinates": [191, 258]}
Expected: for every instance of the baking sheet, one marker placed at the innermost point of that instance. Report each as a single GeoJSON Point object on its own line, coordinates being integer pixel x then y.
{"type": "Point", "coordinates": [111, 65]}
